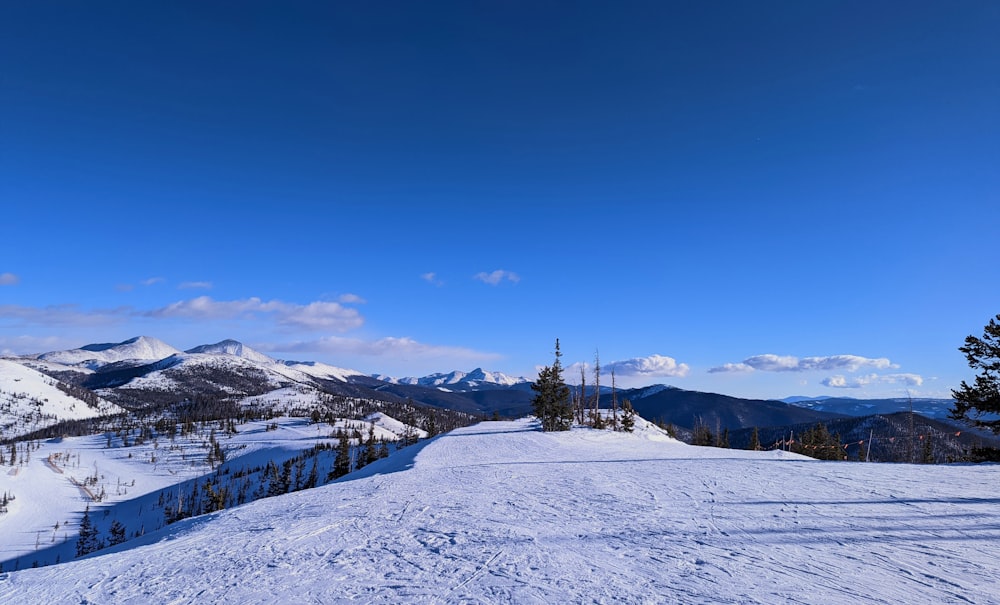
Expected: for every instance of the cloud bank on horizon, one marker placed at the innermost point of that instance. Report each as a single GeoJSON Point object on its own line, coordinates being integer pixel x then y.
{"type": "Point", "coordinates": [846, 363]}
{"type": "Point", "coordinates": [339, 317]}
{"type": "Point", "coordinates": [788, 363]}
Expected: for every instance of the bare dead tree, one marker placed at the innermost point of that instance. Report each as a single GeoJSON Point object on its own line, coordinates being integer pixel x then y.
{"type": "Point", "coordinates": [596, 420]}
{"type": "Point", "coordinates": [614, 402]}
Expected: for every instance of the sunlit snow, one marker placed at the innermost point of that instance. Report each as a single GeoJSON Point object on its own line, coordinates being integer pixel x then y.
{"type": "Point", "coordinates": [501, 512]}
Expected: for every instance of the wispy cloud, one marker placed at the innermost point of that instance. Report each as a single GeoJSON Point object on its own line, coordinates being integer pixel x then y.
{"type": "Point", "coordinates": [152, 281]}
{"type": "Point", "coordinates": [23, 345]}
{"type": "Point", "coordinates": [390, 346]}
{"type": "Point", "coordinates": [62, 315]}
{"type": "Point", "coordinates": [432, 278]}
{"type": "Point", "coordinates": [842, 382]}
{"type": "Point", "coordinates": [195, 285]}
{"type": "Point", "coordinates": [351, 299]}
{"type": "Point", "coordinates": [732, 367]}
{"type": "Point", "coordinates": [313, 316]}
{"type": "Point", "coordinates": [788, 363]}
{"type": "Point", "coordinates": [494, 278]}
{"type": "Point", "coordinates": [9, 279]}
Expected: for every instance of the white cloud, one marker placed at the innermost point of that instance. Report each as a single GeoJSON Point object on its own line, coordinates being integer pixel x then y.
{"type": "Point", "coordinates": [432, 278]}
{"type": "Point", "coordinates": [390, 346]}
{"type": "Point", "coordinates": [351, 299]}
{"type": "Point", "coordinates": [731, 367]}
{"type": "Point", "coordinates": [152, 280]}
{"type": "Point", "coordinates": [773, 363]}
{"type": "Point", "coordinates": [788, 363]}
{"type": "Point", "coordinates": [841, 382]}
{"type": "Point", "coordinates": [494, 278]}
{"type": "Point", "coordinates": [654, 365]}
{"type": "Point", "coordinates": [848, 363]}
{"type": "Point", "coordinates": [195, 285]}
{"type": "Point", "coordinates": [9, 279]}
{"type": "Point", "coordinates": [313, 316]}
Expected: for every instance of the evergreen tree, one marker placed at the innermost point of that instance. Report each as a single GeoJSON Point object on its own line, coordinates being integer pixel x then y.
{"type": "Point", "coordinates": [724, 438]}
{"type": "Point", "coordinates": [551, 403]}
{"type": "Point", "coordinates": [628, 416]}
{"type": "Point", "coordinates": [819, 443]}
{"type": "Point", "coordinates": [313, 474]}
{"type": "Point", "coordinates": [116, 533]}
{"type": "Point", "coordinates": [342, 463]}
{"type": "Point", "coordinates": [87, 542]}
{"type": "Point", "coordinates": [755, 440]}
{"type": "Point", "coordinates": [285, 482]}
{"type": "Point", "coordinates": [371, 447]}
{"type": "Point", "coordinates": [928, 453]}
{"type": "Point", "coordinates": [702, 435]}
{"type": "Point", "coordinates": [983, 397]}
{"type": "Point", "coordinates": [274, 487]}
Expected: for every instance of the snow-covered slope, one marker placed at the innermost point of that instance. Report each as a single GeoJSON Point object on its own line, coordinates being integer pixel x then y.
{"type": "Point", "coordinates": [30, 400]}
{"type": "Point", "coordinates": [212, 371]}
{"type": "Point", "coordinates": [52, 482]}
{"type": "Point", "coordinates": [143, 348]}
{"type": "Point", "coordinates": [500, 512]}
{"type": "Point", "coordinates": [395, 428]}
{"type": "Point", "coordinates": [233, 347]}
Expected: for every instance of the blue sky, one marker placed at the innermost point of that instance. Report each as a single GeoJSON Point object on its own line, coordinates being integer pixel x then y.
{"type": "Point", "coordinates": [758, 199]}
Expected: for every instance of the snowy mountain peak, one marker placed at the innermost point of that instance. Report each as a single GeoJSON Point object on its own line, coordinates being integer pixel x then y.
{"type": "Point", "coordinates": [498, 378]}
{"type": "Point", "coordinates": [457, 379]}
{"type": "Point", "coordinates": [232, 347]}
{"type": "Point", "coordinates": [144, 348]}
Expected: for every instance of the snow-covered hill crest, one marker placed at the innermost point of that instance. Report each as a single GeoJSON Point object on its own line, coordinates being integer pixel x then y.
{"type": "Point", "coordinates": [235, 348]}
{"type": "Point", "coordinates": [140, 348]}
{"type": "Point", "coordinates": [321, 370]}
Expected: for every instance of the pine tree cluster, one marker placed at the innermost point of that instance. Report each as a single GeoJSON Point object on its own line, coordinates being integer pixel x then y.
{"type": "Point", "coordinates": [551, 404]}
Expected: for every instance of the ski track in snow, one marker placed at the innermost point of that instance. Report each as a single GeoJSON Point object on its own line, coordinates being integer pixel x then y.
{"type": "Point", "coordinates": [500, 512]}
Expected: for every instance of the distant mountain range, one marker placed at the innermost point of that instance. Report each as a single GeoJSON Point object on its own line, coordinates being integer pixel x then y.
{"type": "Point", "coordinates": [477, 379]}
{"type": "Point", "coordinates": [142, 372]}
{"type": "Point", "coordinates": [932, 408]}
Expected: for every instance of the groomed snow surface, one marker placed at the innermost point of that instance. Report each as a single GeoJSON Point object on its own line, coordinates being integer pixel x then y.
{"type": "Point", "coordinates": [501, 512]}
